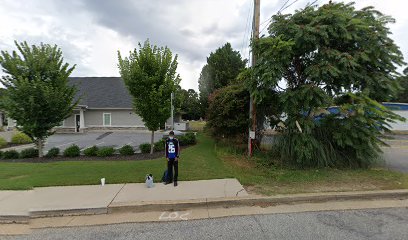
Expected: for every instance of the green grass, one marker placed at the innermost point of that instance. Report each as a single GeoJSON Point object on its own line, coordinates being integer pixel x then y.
{"type": "Point", "coordinates": [197, 162]}
{"type": "Point", "coordinates": [196, 125]}
{"type": "Point", "coordinates": [202, 161]}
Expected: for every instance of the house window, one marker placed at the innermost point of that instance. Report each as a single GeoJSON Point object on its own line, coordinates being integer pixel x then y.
{"type": "Point", "coordinates": [107, 119]}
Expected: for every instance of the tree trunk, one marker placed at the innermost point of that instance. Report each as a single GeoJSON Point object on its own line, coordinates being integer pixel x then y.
{"type": "Point", "coordinates": [152, 143]}
{"type": "Point", "coordinates": [40, 147]}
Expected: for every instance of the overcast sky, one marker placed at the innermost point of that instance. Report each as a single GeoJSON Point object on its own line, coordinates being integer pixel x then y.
{"type": "Point", "coordinates": [90, 32]}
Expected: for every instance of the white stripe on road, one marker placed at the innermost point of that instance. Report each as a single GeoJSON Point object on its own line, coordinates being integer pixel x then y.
{"type": "Point", "coordinates": [92, 145]}
{"type": "Point", "coordinates": [124, 145]}
{"type": "Point", "coordinates": [66, 144]}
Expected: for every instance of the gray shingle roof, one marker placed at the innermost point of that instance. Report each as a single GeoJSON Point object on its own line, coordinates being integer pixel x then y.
{"type": "Point", "coordinates": [102, 92]}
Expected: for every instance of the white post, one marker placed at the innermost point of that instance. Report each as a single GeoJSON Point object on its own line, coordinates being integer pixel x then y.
{"type": "Point", "coordinates": [81, 119]}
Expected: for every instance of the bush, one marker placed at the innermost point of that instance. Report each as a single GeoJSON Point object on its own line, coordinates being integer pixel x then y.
{"type": "Point", "coordinates": [144, 147]}
{"type": "Point", "coordinates": [228, 111]}
{"type": "Point", "coordinates": [20, 138]}
{"type": "Point", "coordinates": [53, 152]}
{"type": "Point", "coordinates": [11, 154]}
{"type": "Point", "coordinates": [1, 154]}
{"type": "Point", "coordinates": [187, 139]}
{"type": "Point", "coordinates": [126, 150]}
{"type": "Point", "coordinates": [160, 145]}
{"type": "Point", "coordinates": [29, 153]}
{"type": "Point", "coordinates": [72, 151]}
{"type": "Point", "coordinates": [3, 142]}
{"type": "Point", "coordinates": [105, 152]}
{"type": "Point", "coordinates": [91, 152]}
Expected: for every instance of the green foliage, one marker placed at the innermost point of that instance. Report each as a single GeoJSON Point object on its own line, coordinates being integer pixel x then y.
{"type": "Point", "coordinates": [20, 138]}
{"type": "Point", "coordinates": [11, 154]}
{"type": "Point", "coordinates": [188, 103]}
{"type": "Point", "coordinates": [1, 154]}
{"type": "Point", "coordinates": [333, 54]}
{"type": "Point", "coordinates": [53, 152]}
{"type": "Point", "coordinates": [228, 112]}
{"type": "Point", "coordinates": [222, 68]}
{"type": "Point", "coordinates": [105, 152]}
{"type": "Point", "coordinates": [126, 150]}
{"type": "Point", "coordinates": [187, 139]}
{"type": "Point", "coordinates": [403, 93]}
{"type": "Point", "coordinates": [3, 142]}
{"type": "Point", "coordinates": [160, 145]}
{"type": "Point", "coordinates": [29, 153]}
{"type": "Point", "coordinates": [91, 152]}
{"type": "Point", "coordinates": [72, 151]}
{"type": "Point", "coordinates": [144, 147]}
{"type": "Point", "coordinates": [38, 96]}
{"type": "Point", "coordinates": [150, 76]}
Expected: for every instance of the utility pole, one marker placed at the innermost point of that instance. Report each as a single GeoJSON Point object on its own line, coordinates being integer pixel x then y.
{"type": "Point", "coordinates": [252, 105]}
{"type": "Point", "coordinates": [172, 110]}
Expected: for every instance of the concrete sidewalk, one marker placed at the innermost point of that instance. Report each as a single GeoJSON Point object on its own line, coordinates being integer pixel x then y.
{"type": "Point", "coordinates": [20, 206]}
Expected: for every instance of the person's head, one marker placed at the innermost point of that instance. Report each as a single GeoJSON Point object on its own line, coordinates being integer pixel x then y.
{"type": "Point", "coordinates": [171, 134]}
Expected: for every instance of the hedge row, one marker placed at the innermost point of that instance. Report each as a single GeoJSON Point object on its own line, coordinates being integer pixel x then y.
{"type": "Point", "coordinates": [187, 139]}
{"type": "Point", "coordinates": [75, 151]}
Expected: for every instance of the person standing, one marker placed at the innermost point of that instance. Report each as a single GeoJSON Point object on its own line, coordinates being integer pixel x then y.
{"type": "Point", "coordinates": [172, 156]}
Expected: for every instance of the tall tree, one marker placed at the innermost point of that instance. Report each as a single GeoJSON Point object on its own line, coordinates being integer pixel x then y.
{"type": "Point", "coordinates": [322, 53]}
{"type": "Point", "coordinates": [38, 96]}
{"type": "Point", "coordinates": [222, 68]}
{"type": "Point", "coordinates": [190, 108]}
{"type": "Point", "coordinates": [150, 76]}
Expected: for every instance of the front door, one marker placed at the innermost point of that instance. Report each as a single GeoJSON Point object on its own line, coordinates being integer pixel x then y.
{"type": "Point", "coordinates": [77, 122]}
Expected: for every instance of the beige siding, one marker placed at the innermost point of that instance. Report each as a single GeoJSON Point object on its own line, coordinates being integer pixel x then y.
{"type": "Point", "coordinates": [119, 118]}
{"type": "Point", "coordinates": [70, 122]}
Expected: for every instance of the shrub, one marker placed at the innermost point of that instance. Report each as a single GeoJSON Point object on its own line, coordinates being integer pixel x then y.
{"type": "Point", "coordinates": [11, 154]}
{"type": "Point", "coordinates": [3, 142]}
{"type": "Point", "coordinates": [1, 154]}
{"type": "Point", "coordinates": [144, 147]}
{"type": "Point", "coordinates": [72, 151]}
{"type": "Point", "coordinates": [91, 152]}
{"type": "Point", "coordinates": [126, 150]}
{"type": "Point", "coordinates": [187, 139]}
{"type": "Point", "coordinates": [160, 145]}
{"type": "Point", "coordinates": [228, 111]}
{"type": "Point", "coordinates": [20, 138]}
{"type": "Point", "coordinates": [105, 152]}
{"type": "Point", "coordinates": [29, 153]}
{"type": "Point", "coordinates": [53, 152]}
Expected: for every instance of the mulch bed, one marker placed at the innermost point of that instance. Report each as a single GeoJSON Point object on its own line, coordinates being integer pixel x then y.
{"type": "Point", "coordinates": [116, 157]}
{"type": "Point", "coordinates": [13, 145]}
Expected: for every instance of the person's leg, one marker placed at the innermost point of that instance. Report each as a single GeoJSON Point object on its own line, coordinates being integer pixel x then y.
{"type": "Point", "coordinates": [170, 170]}
{"type": "Point", "coordinates": [175, 172]}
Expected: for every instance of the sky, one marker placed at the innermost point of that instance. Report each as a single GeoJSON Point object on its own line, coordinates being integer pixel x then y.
{"type": "Point", "coordinates": [90, 32]}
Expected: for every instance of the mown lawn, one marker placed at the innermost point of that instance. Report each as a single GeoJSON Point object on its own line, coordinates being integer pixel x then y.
{"type": "Point", "coordinates": [202, 161]}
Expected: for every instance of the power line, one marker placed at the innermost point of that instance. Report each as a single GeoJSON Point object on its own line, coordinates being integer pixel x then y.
{"type": "Point", "coordinates": [244, 39]}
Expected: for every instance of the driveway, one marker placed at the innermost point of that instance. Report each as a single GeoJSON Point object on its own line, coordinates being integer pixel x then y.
{"type": "Point", "coordinates": [101, 139]}
{"type": "Point", "coordinates": [396, 156]}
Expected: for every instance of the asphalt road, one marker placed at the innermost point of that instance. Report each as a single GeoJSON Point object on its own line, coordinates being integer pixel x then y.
{"type": "Point", "coordinates": [111, 139]}
{"type": "Point", "coordinates": [357, 224]}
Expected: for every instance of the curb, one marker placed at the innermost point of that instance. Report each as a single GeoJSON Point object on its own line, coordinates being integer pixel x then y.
{"type": "Point", "coordinates": [138, 207]}
{"type": "Point", "coordinates": [256, 201]}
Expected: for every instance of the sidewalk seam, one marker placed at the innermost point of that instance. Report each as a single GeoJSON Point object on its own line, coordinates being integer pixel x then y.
{"type": "Point", "coordinates": [107, 207]}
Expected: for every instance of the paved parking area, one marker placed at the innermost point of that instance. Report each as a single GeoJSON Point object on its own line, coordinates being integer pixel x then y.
{"type": "Point", "coordinates": [101, 139]}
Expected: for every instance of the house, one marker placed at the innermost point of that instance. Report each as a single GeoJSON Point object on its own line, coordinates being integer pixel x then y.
{"type": "Point", "coordinates": [105, 104]}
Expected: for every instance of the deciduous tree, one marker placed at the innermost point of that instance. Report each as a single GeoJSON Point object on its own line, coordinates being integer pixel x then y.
{"type": "Point", "coordinates": [38, 95]}
{"type": "Point", "coordinates": [150, 76]}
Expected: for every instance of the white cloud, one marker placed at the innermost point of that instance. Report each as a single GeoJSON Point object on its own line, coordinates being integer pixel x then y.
{"type": "Point", "coordinates": [91, 31]}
